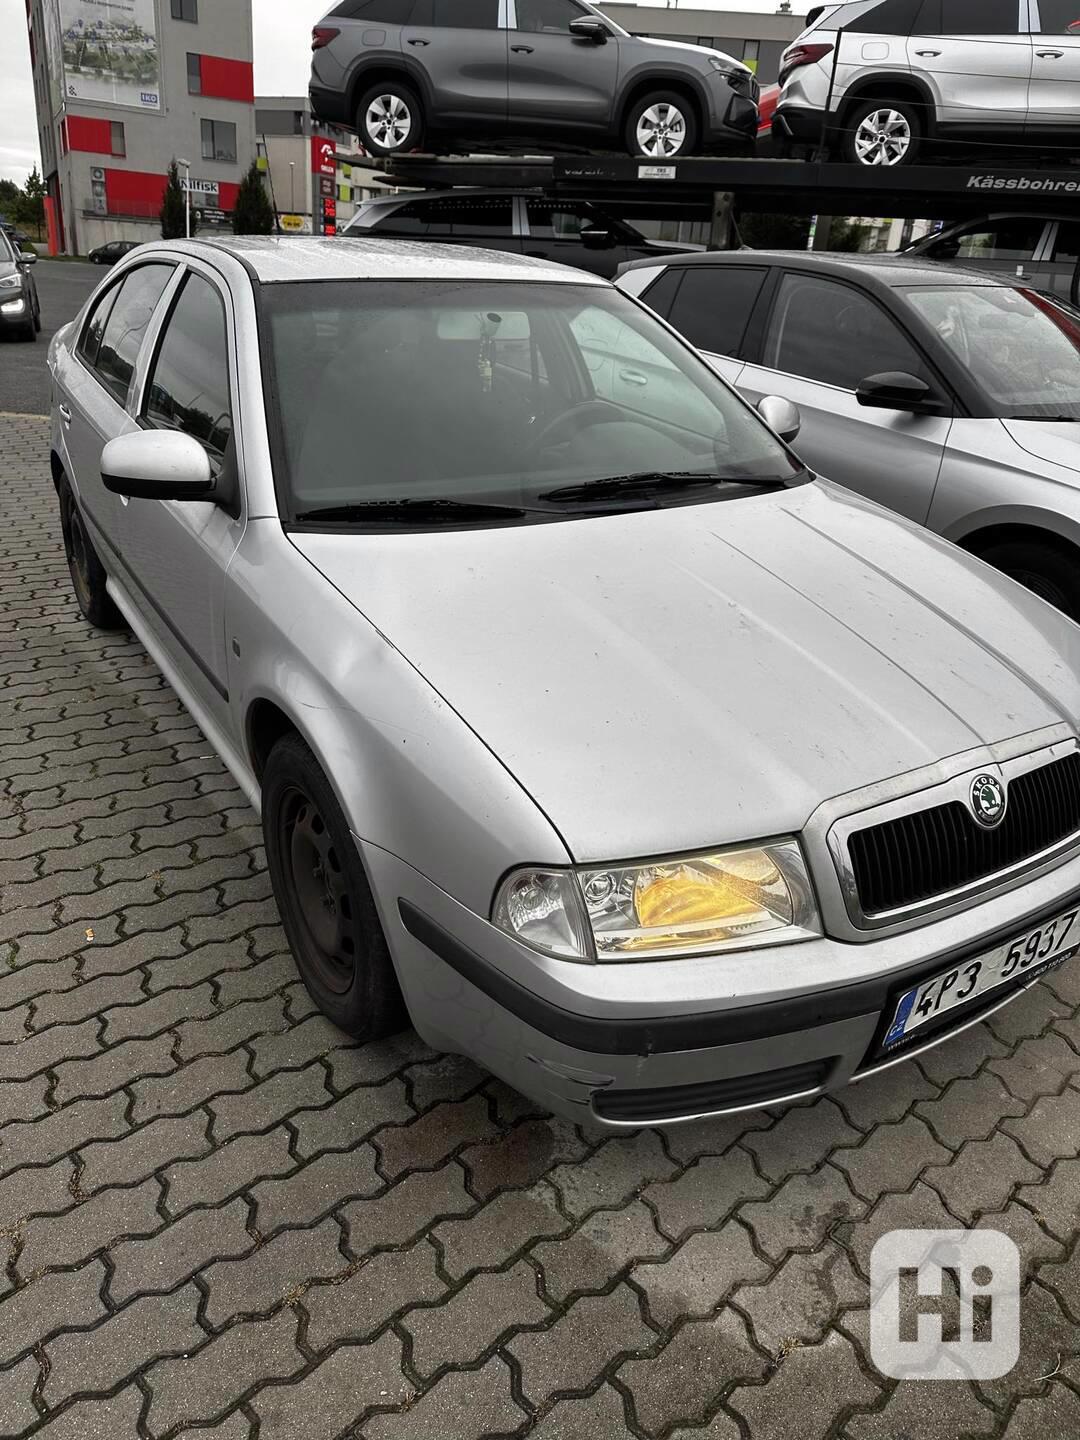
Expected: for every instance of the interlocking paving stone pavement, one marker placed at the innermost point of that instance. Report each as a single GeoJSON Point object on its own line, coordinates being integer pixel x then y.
{"type": "Point", "coordinates": [221, 1218]}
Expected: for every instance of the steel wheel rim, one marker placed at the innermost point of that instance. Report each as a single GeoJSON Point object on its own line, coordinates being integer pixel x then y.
{"type": "Point", "coordinates": [79, 558]}
{"type": "Point", "coordinates": [661, 131]}
{"type": "Point", "coordinates": [388, 121]}
{"type": "Point", "coordinates": [883, 138]}
{"type": "Point", "coordinates": [318, 891]}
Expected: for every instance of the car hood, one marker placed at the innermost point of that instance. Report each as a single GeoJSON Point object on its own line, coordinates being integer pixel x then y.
{"type": "Point", "coordinates": [665, 680]}
{"type": "Point", "coordinates": [700, 50]}
{"type": "Point", "coordinates": [1056, 441]}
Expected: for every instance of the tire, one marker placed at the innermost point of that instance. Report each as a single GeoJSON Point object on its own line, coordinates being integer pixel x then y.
{"type": "Point", "coordinates": [37, 320]}
{"type": "Point", "coordinates": [398, 107]}
{"type": "Point", "coordinates": [660, 108]}
{"type": "Point", "coordinates": [324, 898]}
{"type": "Point", "coordinates": [87, 572]}
{"type": "Point", "coordinates": [898, 126]}
{"type": "Point", "coordinates": [1052, 574]}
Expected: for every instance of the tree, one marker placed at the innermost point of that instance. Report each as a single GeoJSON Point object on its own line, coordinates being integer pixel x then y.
{"type": "Point", "coordinates": [764, 231]}
{"type": "Point", "coordinates": [29, 206]}
{"type": "Point", "coordinates": [253, 214]}
{"type": "Point", "coordinates": [172, 206]}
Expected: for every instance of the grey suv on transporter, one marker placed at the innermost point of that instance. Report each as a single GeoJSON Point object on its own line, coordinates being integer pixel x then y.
{"type": "Point", "coordinates": [416, 73]}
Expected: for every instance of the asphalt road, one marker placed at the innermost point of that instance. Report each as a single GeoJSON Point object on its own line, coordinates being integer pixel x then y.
{"type": "Point", "coordinates": [24, 380]}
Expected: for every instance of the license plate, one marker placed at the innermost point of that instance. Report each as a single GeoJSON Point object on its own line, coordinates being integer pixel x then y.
{"type": "Point", "coordinates": [1024, 958]}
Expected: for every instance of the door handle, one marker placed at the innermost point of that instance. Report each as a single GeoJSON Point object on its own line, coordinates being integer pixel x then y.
{"type": "Point", "coordinates": [419, 42]}
{"type": "Point", "coordinates": [522, 49]}
{"type": "Point", "coordinates": [928, 54]}
{"type": "Point", "coordinates": [65, 414]}
{"type": "Point", "coordinates": [1050, 54]}
{"type": "Point", "coordinates": [633, 377]}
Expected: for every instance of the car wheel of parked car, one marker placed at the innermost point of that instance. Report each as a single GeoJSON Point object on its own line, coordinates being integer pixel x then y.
{"type": "Point", "coordinates": [1051, 573]}
{"type": "Point", "coordinates": [389, 119]}
{"type": "Point", "coordinates": [882, 132]}
{"type": "Point", "coordinates": [661, 126]}
{"type": "Point", "coordinates": [37, 320]}
{"type": "Point", "coordinates": [88, 576]}
{"type": "Point", "coordinates": [325, 901]}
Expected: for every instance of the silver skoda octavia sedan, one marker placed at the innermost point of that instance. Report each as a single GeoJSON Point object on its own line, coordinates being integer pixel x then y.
{"type": "Point", "coordinates": [588, 730]}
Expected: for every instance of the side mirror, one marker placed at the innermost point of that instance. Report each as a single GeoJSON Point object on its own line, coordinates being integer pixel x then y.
{"type": "Point", "coordinates": [781, 416]}
{"type": "Point", "coordinates": [596, 239]}
{"type": "Point", "coordinates": [157, 465]}
{"type": "Point", "coordinates": [27, 257]}
{"type": "Point", "coordinates": [588, 28]}
{"type": "Point", "coordinates": [896, 390]}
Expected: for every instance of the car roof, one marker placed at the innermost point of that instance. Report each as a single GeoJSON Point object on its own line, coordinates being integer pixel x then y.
{"type": "Point", "coordinates": [274, 259]}
{"type": "Point", "coordinates": [888, 271]}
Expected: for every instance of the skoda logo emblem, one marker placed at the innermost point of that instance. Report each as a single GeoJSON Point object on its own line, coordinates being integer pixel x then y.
{"type": "Point", "coordinates": [988, 800]}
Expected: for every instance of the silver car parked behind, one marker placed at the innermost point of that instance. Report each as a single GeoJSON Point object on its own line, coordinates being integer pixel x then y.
{"type": "Point", "coordinates": [950, 396]}
{"type": "Point", "coordinates": [585, 725]}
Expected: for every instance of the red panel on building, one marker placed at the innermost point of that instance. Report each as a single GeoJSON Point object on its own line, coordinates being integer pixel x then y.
{"type": "Point", "coordinates": [133, 192]}
{"type": "Point", "coordinates": [227, 195]}
{"type": "Point", "coordinates": [227, 79]}
{"type": "Point", "coordinates": [85, 133]}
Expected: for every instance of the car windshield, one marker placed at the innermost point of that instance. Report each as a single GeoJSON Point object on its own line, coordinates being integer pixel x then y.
{"type": "Point", "coordinates": [1022, 348]}
{"type": "Point", "coordinates": [494, 394]}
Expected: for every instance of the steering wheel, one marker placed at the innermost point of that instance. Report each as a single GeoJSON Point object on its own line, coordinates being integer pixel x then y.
{"type": "Point", "coordinates": [584, 413]}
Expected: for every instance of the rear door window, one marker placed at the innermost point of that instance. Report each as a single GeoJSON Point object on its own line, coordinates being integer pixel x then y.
{"type": "Point", "coordinates": [714, 304]}
{"type": "Point", "coordinates": [1013, 238]}
{"type": "Point", "coordinates": [1058, 17]}
{"type": "Point", "coordinates": [969, 17]}
{"type": "Point", "coordinates": [829, 332]}
{"type": "Point", "coordinates": [464, 14]}
{"type": "Point", "coordinates": [478, 215]}
{"type": "Point", "coordinates": [1067, 244]}
{"type": "Point", "coordinates": [122, 337]}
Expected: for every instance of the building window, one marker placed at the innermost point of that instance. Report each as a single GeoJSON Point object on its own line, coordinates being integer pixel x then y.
{"type": "Point", "coordinates": [117, 143]}
{"type": "Point", "coordinates": [194, 74]}
{"type": "Point", "coordinates": [186, 10]}
{"type": "Point", "coordinates": [218, 140]}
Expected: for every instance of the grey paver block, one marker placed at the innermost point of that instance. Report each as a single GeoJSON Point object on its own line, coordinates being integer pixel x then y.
{"type": "Point", "coordinates": [221, 1033]}
{"type": "Point", "coordinates": [580, 1344]}
{"type": "Point", "coordinates": [705, 1192]}
{"type": "Point", "coordinates": [134, 1156]}
{"type": "Point", "coordinates": [17, 1411]}
{"type": "Point", "coordinates": [713, 1136]}
{"type": "Point", "coordinates": [598, 1249]}
{"type": "Point", "coordinates": [55, 1241]}
{"type": "Point", "coordinates": [166, 1008]}
{"type": "Point", "coordinates": [351, 1381]}
{"type": "Point", "coordinates": [426, 1142]}
{"type": "Point", "coordinates": [891, 1158]}
{"type": "Point", "coordinates": [81, 1002]}
{"type": "Point", "coordinates": [807, 1393]}
{"type": "Point", "coordinates": [1037, 1067]}
{"type": "Point", "coordinates": [99, 1419]}
{"type": "Point", "coordinates": [22, 1100]}
{"type": "Point", "coordinates": [191, 1085]}
{"type": "Point", "coordinates": [921, 1209]}
{"type": "Point", "coordinates": [151, 947]}
{"type": "Point", "coordinates": [970, 1108]}
{"type": "Point", "coordinates": [236, 1165]}
{"type": "Point", "coordinates": [1048, 1336]}
{"type": "Point", "coordinates": [277, 1270]}
{"type": "Point", "coordinates": [39, 1052]}
{"type": "Point", "coordinates": [343, 1124]}
{"type": "Point", "coordinates": [179, 1251]}
{"type": "Point", "coordinates": [406, 1208]}
{"type": "Point", "coordinates": [104, 1073]}
{"type": "Point", "coordinates": [612, 1174]}
{"type": "Point", "coordinates": [1027, 1016]}
{"type": "Point", "coordinates": [319, 1187]}
{"type": "Point", "coordinates": [925, 1410]}
{"type": "Point", "coordinates": [71, 1299]}
{"type": "Point", "coordinates": [982, 1176]}
{"type": "Point", "coordinates": [473, 1318]}
{"type": "Point", "coordinates": [296, 1047]}
{"type": "Point", "coordinates": [360, 1304]}
{"type": "Point", "coordinates": [889, 1095]}
{"type": "Point", "coordinates": [964, 1054]}
{"type": "Point", "coordinates": [699, 1274]}
{"type": "Point", "coordinates": [1051, 1130]}
{"type": "Point", "coordinates": [1056, 1199]}
{"type": "Point", "coordinates": [802, 1137]}
{"type": "Point", "coordinates": [600, 1414]}
{"type": "Point", "coordinates": [679, 1385]}
{"type": "Point", "coordinates": [802, 1212]}
{"type": "Point", "coordinates": [447, 1077]}
{"type": "Point", "coordinates": [465, 1404]}
{"type": "Point", "coordinates": [802, 1298]}
{"type": "Point", "coordinates": [36, 1190]}
{"type": "Point", "coordinates": [1056, 1413]}
{"type": "Point", "coordinates": [498, 1230]}
{"type": "Point", "coordinates": [199, 1386]}
{"type": "Point", "coordinates": [522, 1155]}
{"type": "Point", "coordinates": [369, 1064]}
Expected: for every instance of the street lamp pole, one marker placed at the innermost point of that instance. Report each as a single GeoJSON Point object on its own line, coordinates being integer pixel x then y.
{"type": "Point", "coordinates": [187, 196]}
{"type": "Point", "coordinates": [292, 187]}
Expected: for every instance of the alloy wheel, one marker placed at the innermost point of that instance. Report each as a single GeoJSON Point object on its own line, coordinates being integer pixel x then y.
{"type": "Point", "coordinates": [388, 121]}
{"type": "Point", "coordinates": [883, 138]}
{"type": "Point", "coordinates": [318, 891]}
{"type": "Point", "coordinates": [661, 131]}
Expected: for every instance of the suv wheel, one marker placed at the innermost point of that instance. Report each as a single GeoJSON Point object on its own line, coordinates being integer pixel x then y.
{"type": "Point", "coordinates": [87, 572]}
{"type": "Point", "coordinates": [389, 119]}
{"type": "Point", "coordinates": [324, 898]}
{"type": "Point", "coordinates": [882, 132]}
{"type": "Point", "coordinates": [1050, 573]}
{"type": "Point", "coordinates": [661, 126]}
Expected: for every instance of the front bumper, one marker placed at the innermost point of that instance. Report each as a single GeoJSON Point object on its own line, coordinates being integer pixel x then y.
{"type": "Point", "coordinates": [15, 307]}
{"type": "Point", "coordinates": [625, 1045]}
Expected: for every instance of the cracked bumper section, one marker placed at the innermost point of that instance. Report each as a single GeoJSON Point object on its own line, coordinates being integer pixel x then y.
{"type": "Point", "coordinates": [591, 1043]}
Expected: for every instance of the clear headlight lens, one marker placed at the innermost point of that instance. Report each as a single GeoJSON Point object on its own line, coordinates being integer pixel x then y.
{"type": "Point", "coordinates": [10, 282]}
{"type": "Point", "coordinates": [693, 905]}
{"type": "Point", "coordinates": [721, 65]}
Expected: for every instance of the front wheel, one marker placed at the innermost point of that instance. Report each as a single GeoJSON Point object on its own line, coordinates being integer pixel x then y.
{"type": "Point", "coordinates": [882, 132]}
{"type": "Point", "coordinates": [324, 898]}
{"type": "Point", "coordinates": [661, 126]}
{"type": "Point", "coordinates": [389, 119]}
{"type": "Point", "coordinates": [1050, 573]}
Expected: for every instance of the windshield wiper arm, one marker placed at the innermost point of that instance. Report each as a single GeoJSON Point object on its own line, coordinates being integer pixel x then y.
{"type": "Point", "coordinates": [414, 508]}
{"type": "Point", "coordinates": [1021, 415]}
{"type": "Point", "coordinates": [650, 482]}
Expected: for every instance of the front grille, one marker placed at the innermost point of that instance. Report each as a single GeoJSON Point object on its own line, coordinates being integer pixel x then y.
{"type": "Point", "coordinates": [669, 1102]}
{"type": "Point", "coordinates": [932, 852]}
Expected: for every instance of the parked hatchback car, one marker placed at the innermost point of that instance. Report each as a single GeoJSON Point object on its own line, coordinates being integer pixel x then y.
{"type": "Point", "coordinates": [1044, 253]}
{"type": "Point", "coordinates": [572, 232]}
{"type": "Point", "coordinates": [879, 79]}
{"type": "Point", "coordinates": [586, 727]}
{"type": "Point", "coordinates": [406, 73]}
{"type": "Point", "coordinates": [951, 397]}
{"type": "Point", "coordinates": [111, 251]}
{"type": "Point", "coordinates": [20, 308]}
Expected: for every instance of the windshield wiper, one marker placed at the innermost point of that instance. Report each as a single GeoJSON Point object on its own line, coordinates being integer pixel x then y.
{"type": "Point", "coordinates": [1021, 415]}
{"type": "Point", "coordinates": [648, 482]}
{"type": "Point", "coordinates": [414, 508]}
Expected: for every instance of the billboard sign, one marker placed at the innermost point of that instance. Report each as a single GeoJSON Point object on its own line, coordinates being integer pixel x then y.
{"type": "Point", "coordinates": [323, 156]}
{"type": "Point", "coordinates": [110, 54]}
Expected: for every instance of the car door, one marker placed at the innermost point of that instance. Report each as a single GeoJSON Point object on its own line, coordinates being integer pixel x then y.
{"type": "Point", "coordinates": [178, 552]}
{"type": "Point", "coordinates": [553, 231]}
{"type": "Point", "coordinates": [978, 60]}
{"type": "Point", "coordinates": [711, 305]}
{"type": "Point", "coordinates": [558, 80]}
{"type": "Point", "coordinates": [1004, 244]}
{"type": "Point", "coordinates": [461, 45]}
{"type": "Point", "coordinates": [1054, 96]}
{"type": "Point", "coordinates": [823, 337]}
{"type": "Point", "coordinates": [93, 380]}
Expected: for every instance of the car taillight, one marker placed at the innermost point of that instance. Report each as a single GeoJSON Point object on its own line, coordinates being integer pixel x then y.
{"type": "Point", "coordinates": [800, 55]}
{"type": "Point", "coordinates": [322, 35]}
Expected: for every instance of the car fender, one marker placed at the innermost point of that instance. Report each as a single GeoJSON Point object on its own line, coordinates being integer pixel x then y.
{"type": "Point", "coordinates": [866, 79]}
{"type": "Point", "coordinates": [660, 73]}
{"type": "Point", "coordinates": [1058, 523]}
{"type": "Point", "coordinates": [383, 60]}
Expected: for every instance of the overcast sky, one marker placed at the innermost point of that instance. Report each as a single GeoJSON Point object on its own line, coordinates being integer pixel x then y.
{"type": "Point", "coordinates": [282, 57]}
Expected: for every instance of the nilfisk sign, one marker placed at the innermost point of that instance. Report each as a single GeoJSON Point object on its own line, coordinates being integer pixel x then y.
{"type": "Point", "coordinates": [109, 51]}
